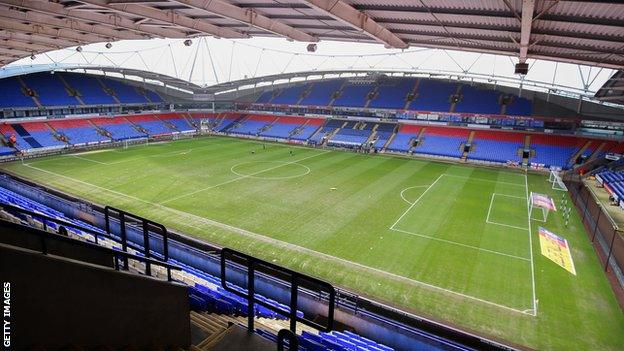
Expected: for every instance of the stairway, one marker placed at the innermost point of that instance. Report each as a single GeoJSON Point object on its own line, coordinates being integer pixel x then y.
{"type": "Point", "coordinates": [305, 93]}
{"type": "Point", "coordinates": [373, 95]}
{"type": "Point", "coordinates": [527, 146]}
{"type": "Point", "coordinates": [337, 94]}
{"type": "Point", "coordinates": [25, 88]}
{"type": "Point", "coordinates": [597, 151]}
{"type": "Point", "coordinates": [189, 119]}
{"type": "Point", "coordinates": [391, 139]}
{"type": "Point", "coordinates": [413, 92]}
{"type": "Point", "coordinates": [572, 160]}
{"type": "Point", "coordinates": [464, 156]}
{"type": "Point", "coordinates": [234, 123]}
{"type": "Point", "coordinates": [25, 135]}
{"type": "Point", "coordinates": [275, 94]}
{"type": "Point", "coordinates": [453, 103]}
{"type": "Point", "coordinates": [58, 136]}
{"type": "Point", "coordinates": [372, 136]}
{"type": "Point", "coordinates": [136, 126]}
{"type": "Point", "coordinates": [108, 90]}
{"type": "Point", "coordinates": [101, 130]}
{"type": "Point", "coordinates": [70, 91]}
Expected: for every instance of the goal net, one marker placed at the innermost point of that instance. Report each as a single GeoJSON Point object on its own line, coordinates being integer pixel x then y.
{"type": "Point", "coordinates": [540, 206]}
{"type": "Point", "coordinates": [555, 179]}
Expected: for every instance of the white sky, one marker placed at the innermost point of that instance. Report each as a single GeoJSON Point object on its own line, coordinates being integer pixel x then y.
{"type": "Point", "coordinates": [209, 61]}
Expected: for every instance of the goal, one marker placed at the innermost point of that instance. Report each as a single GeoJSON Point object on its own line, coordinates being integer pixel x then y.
{"type": "Point", "coordinates": [555, 179]}
{"type": "Point", "coordinates": [540, 204]}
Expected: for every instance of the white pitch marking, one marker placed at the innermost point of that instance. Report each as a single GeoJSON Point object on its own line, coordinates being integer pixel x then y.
{"type": "Point", "coordinates": [289, 245]}
{"type": "Point", "coordinates": [487, 218]}
{"type": "Point", "coordinates": [239, 178]}
{"type": "Point", "coordinates": [415, 202]}
{"type": "Point", "coordinates": [483, 179]}
{"type": "Point", "coordinates": [526, 183]}
{"type": "Point", "coordinates": [460, 244]}
{"type": "Point", "coordinates": [412, 187]}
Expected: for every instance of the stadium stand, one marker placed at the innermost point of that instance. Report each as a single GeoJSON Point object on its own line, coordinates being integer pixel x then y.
{"type": "Point", "coordinates": [49, 89]}
{"type": "Point", "coordinates": [442, 141]}
{"type": "Point", "coordinates": [89, 88]}
{"type": "Point", "coordinates": [177, 121]}
{"type": "Point", "coordinates": [405, 138]}
{"type": "Point", "coordinates": [392, 93]}
{"type": "Point", "coordinates": [554, 150]}
{"type": "Point", "coordinates": [433, 96]}
{"type": "Point", "coordinates": [42, 133]}
{"type": "Point", "coordinates": [494, 146]}
{"type": "Point", "coordinates": [119, 127]}
{"type": "Point", "coordinates": [291, 95]}
{"type": "Point", "coordinates": [13, 94]}
{"type": "Point", "coordinates": [475, 100]}
{"type": "Point", "coordinates": [126, 94]}
{"type": "Point", "coordinates": [321, 92]}
{"type": "Point", "coordinates": [150, 123]}
{"type": "Point", "coordinates": [353, 94]}
{"type": "Point", "coordinates": [78, 131]}
{"type": "Point", "coordinates": [613, 182]}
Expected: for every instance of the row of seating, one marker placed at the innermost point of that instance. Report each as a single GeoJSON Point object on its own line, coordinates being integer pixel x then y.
{"type": "Point", "coordinates": [333, 341]}
{"type": "Point", "coordinates": [613, 182]}
{"type": "Point", "coordinates": [544, 150]}
{"type": "Point", "coordinates": [399, 93]}
{"type": "Point", "coordinates": [61, 132]}
{"type": "Point", "coordinates": [70, 89]}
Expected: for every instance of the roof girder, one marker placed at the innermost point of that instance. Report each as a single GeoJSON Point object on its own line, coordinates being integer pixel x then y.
{"type": "Point", "coordinates": [54, 33]}
{"type": "Point", "coordinates": [362, 22]}
{"type": "Point", "coordinates": [172, 17]}
{"type": "Point", "coordinates": [109, 20]}
{"type": "Point", "coordinates": [250, 17]}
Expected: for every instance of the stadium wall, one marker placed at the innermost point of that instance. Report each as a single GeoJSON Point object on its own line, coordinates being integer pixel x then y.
{"type": "Point", "coordinates": [606, 237]}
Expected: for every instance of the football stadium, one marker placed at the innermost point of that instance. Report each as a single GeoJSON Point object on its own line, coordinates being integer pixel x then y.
{"type": "Point", "coordinates": [312, 175]}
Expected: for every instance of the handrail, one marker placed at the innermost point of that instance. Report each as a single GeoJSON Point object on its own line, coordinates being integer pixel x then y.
{"type": "Point", "coordinates": [124, 254]}
{"type": "Point", "coordinates": [293, 342]}
{"type": "Point", "coordinates": [145, 224]}
{"type": "Point", "coordinates": [295, 279]}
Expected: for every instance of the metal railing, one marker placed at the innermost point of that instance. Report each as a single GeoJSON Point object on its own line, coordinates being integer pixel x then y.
{"type": "Point", "coordinates": [146, 225]}
{"type": "Point", "coordinates": [295, 280]}
{"type": "Point", "coordinates": [44, 234]}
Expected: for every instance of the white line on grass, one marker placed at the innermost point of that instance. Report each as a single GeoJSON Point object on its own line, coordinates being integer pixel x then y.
{"type": "Point", "coordinates": [287, 245]}
{"type": "Point", "coordinates": [415, 202]}
{"type": "Point", "coordinates": [411, 187]}
{"type": "Point", "coordinates": [239, 178]}
{"type": "Point", "coordinates": [526, 184]}
{"type": "Point", "coordinates": [483, 179]}
{"type": "Point", "coordinates": [460, 244]}
{"type": "Point", "coordinates": [487, 218]}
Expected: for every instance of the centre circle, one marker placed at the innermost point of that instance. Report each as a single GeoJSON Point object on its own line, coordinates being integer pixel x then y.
{"type": "Point", "coordinates": [255, 169]}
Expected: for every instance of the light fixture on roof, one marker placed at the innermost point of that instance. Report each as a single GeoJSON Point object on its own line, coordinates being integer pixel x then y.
{"type": "Point", "coordinates": [188, 42]}
{"type": "Point", "coordinates": [522, 68]}
{"type": "Point", "coordinates": [79, 48]}
{"type": "Point", "coordinates": [32, 56]}
{"type": "Point", "coordinates": [108, 45]}
{"type": "Point", "coordinates": [311, 47]}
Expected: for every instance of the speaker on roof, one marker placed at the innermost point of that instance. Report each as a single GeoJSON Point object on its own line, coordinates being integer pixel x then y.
{"type": "Point", "coordinates": [522, 68]}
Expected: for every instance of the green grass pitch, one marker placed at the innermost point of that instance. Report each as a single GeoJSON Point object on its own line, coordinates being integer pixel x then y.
{"type": "Point", "coordinates": [447, 241]}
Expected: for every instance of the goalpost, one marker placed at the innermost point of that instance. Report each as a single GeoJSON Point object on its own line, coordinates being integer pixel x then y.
{"type": "Point", "coordinates": [542, 203]}
{"type": "Point", "coordinates": [555, 179]}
